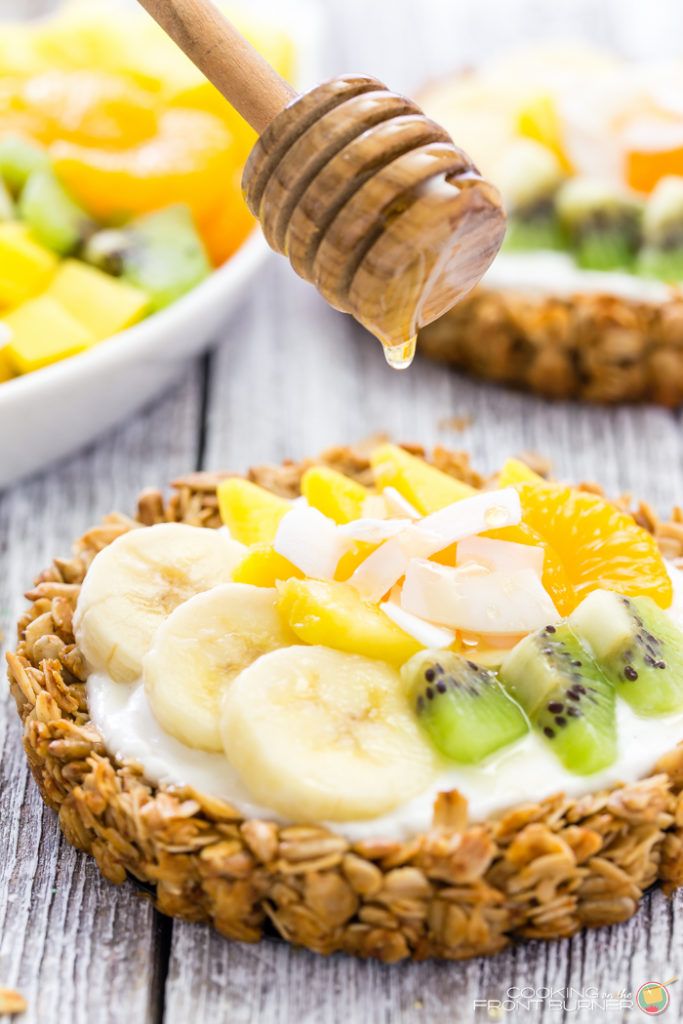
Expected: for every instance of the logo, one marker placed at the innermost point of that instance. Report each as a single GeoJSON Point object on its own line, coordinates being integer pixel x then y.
{"type": "Point", "coordinates": [653, 997]}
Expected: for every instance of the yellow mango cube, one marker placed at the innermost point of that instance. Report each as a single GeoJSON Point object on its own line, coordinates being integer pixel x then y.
{"type": "Point", "coordinates": [334, 494]}
{"type": "Point", "coordinates": [251, 513]}
{"type": "Point", "coordinates": [26, 267]}
{"type": "Point", "coordinates": [6, 371]}
{"type": "Point", "coordinates": [424, 486]}
{"type": "Point", "coordinates": [335, 615]}
{"type": "Point", "coordinates": [103, 304]}
{"type": "Point", "coordinates": [514, 471]}
{"type": "Point", "coordinates": [43, 332]}
{"type": "Point", "coordinates": [262, 566]}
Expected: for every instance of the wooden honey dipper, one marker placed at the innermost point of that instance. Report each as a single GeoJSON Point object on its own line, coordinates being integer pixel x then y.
{"type": "Point", "coordinates": [370, 200]}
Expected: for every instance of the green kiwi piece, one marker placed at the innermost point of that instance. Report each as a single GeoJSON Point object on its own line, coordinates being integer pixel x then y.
{"type": "Point", "coordinates": [602, 222]}
{"type": "Point", "coordinates": [7, 208]}
{"type": "Point", "coordinates": [529, 233]}
{"type": "Point", "coordinates": [165, 256]}
{"type": "Point", "coordinates": [566, 696]}
{"type": "Point", "coordinates": [19, 158]}
{"type": "Point", "coordinates": [638, 647]}
{"type": "Point", "coordinates": [55, 219]}
{"type": "Point", "coordinates": [461, 706]}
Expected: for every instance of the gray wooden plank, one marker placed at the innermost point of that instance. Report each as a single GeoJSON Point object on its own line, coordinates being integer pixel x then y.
{"type": "Point", "coordinates": [78, 948]}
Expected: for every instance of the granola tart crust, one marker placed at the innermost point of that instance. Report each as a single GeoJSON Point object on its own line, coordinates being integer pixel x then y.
{"type": "Point", "coordinates": [458, 890]}
{"type": "Point", "coordinates": [596, 347]}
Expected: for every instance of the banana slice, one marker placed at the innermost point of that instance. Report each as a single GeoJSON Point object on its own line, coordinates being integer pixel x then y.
{"type": "Point", "coordinates": [200, 649]}
{"type": "Point", "coordinates": [135, 582]}
{"type": "Point", "coordinates": [319, 734]}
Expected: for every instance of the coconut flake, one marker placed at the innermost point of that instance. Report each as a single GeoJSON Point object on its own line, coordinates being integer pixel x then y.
{"type": "Point", "coordinates": [426, 633]}
{"type": "Point", "coordinates": [489, 510]}
{"type": "Point", "coordinates": [500, 554]}
{"type": "Point", "coordinates": [373, 531]}
{"type": "Point", "coordinates": [375, 507]}
{"type": "Point", "coordinates": [387, 564]}
{"type": "Point", "coordinates": [399, 505]}
{"type": "Point", "coordinates": [477, 601]}
{"type": "Point", "coordinates": [311, 542]}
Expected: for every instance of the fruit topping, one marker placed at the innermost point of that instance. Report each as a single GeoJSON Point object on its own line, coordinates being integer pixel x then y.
{"type": "Point", "coordinates": [26, 267]}
{"type": "Point", "coordinates": [599, 545]}
{"type": "Point", "coordinates": [251, 513]}
{"type": "Point", "coordinates": [200, 649]}
{"type": "Point", "coordinates": [425, 487]}
{"type": "Point", "coordinates": [476, 600]}
{"type": "Point", "coordinates": [42, 332]}
{"type": "Point", "coordinates": [461, 706]}
{"type": "Point", "coordinates": [334, 494]}
{"type": "Point", "coordinates": [334, 615]}
{"type": "Point", "coordinates": [603, 223]}
{"type": "Point", "coordinates": [638, 647]}
{"type": "Point", "coordinates": [310, 541]}
{"type": "Point", "coordinates": [529, 176]}
{"type": "Point", "coordinates": [139, 579]}
{"type": "Point", "coordinates": [662, 255]}
{"type": "Point", "coordinates": [500, 554]}
{"type": "Point", "coordinates": [567, 697]}
{"type": "Point", "coordinates": [320, 735]}
{"type": "Point", "coordinates": [160, 253]}
{"type": "Point", "coordinates": [103, 304]}
{"type": "Point", "coordinates": [55, 220]}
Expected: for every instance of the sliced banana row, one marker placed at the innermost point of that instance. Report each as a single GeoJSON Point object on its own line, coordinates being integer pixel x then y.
{"type": "Point", "coordinates": [315, 733]}
{"type": "Point", "coordinates": [133, 584]}
{"type": "Point", "coordinates": [200, 649]}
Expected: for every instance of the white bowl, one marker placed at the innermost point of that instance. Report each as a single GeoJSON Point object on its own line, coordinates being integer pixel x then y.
{"type": "Point", "coordinates": [48, 413]}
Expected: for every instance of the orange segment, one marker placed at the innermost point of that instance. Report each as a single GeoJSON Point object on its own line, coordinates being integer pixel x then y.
{"type": "Point", "coordinates": [600, 546]}
{"type": "Point", "coordinates": [188, 161]}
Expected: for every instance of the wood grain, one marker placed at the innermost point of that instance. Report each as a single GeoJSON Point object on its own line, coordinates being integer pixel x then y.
{"type": "Point", "coordinates": [78, 948]}
{"type": "Point", "coordinates": [290, 377]}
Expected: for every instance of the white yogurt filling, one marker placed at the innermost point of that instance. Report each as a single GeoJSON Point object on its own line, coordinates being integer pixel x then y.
{"type": "Point", "coordinates": [555, 273]}
{"type": "Point", "coordinates": [525, 771]}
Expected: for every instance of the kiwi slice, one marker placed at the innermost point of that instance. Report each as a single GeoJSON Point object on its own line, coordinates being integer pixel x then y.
{"type": "Point", "coordinates": [567, 697]}
{"type": "Point", "coordinates": [603, 223]}
{"type": "Point", "coordinates": [19, 158]}
{"type": "Point", "coordinates": [7, 209]}
{"type": "Point", "coordinates": [637, 646]}
{"type": "Point", "coordinates": [461, 706]}
{"type": "Point", "coordinates": [53, 216]}
{"type": "Point", "coordinates": [161, 253]}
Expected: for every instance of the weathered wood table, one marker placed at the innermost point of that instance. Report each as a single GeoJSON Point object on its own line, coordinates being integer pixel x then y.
{"type": "Point", "coordinates": [288, 377]}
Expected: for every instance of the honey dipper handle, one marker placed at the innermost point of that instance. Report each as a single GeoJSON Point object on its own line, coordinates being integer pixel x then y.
{"type": "Point", "coordinates": [246, 80]}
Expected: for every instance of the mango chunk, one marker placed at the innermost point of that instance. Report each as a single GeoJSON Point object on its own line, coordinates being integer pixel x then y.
{"type": "Point", "coordinates": [262, 566]}
{"type": "Point", "coordinates": [334, 614]}
{"type": "Point", "coordinates": [514, 471]}
{"type": "Point", "coordinates": [103, 304]}
{"type": "Point", "coordinates": [6, 371]}
{"type": "Point", "coordinates": [251, 513]}
{"type": "Point", "coordinates": [25, 266]}
{"type": "Point", "coordinates": [424, 486]}
{"type": "Point", "coordinates": [334, 494]}
{"type": "Point", "coordinates": [43, 332]}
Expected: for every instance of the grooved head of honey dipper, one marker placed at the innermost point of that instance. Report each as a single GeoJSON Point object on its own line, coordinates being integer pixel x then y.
{"type": "Point", "coordinates": [374, 205]}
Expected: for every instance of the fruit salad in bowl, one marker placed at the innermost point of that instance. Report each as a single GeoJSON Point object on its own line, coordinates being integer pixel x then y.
{"type": "Point", "coordinates": [382, 703]}
{"type": "Point", "coordinates": [585, 298]}
{"type": "Point", "coordinates": [124, 238]}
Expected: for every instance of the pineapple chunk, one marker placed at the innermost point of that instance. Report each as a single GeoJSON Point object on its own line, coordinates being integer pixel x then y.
{"type": "Point", "coordinates": [251, 513]}
{"type": "Point", "coordinates": [334, 494]}
{"type": "Point", "coordinates": [515, 471]}
{"type": "Point", "coordinates": [540, 120]}
{"type": "Point", "coordinates": [262, 566]}
{"type": "Point", "coordinates": [25, 266]}
{"type": "Point", "coordinates": [6, 372]}
{"type": "Point", "coordinates": [334, 615]}
{"type": "Point", "coordinates": [424, 486]}
{"type": "Point", "coordinates": [42, 332]}
{"type": "Point", "coordinates": [102, 303]}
